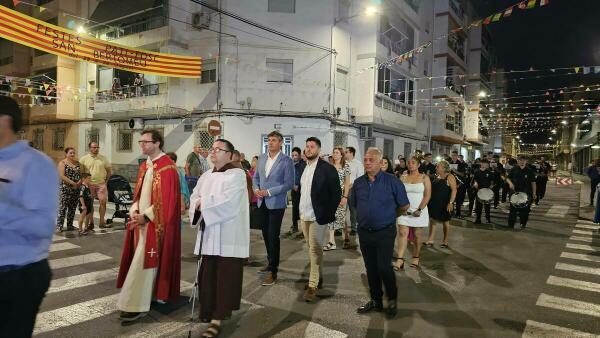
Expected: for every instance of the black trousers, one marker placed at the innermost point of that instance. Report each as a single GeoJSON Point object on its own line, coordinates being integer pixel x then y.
{"type": "Point", "coordinates": [271, 228]}
{"type": "Point", "coordinates": [540, 189]}
{"type": "Point", "coordinates": [594, 184]}
{"type": "Point", "coordinates": [478, 208]}
{"type": "Point", "coordinates": [377, 250]}
{"type": "Point", "coordinates": [523, 215]}
{"type": "Point", "coordinates": [472, 194]}
{"type": "Point", "coordinates": [460, 198]}
{"type": "Point", "coordinates": [21, 293]}
{"type": "Point", "coordinates": [295, 209]}
{"type": "Point", "coordinates": [505, 191]}
{"type": "Point", "coordinates": [496, 190]}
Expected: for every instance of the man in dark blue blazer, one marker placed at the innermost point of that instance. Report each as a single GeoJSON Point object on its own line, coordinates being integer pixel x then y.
{"type": "Point", "coordinates": [273, 178]}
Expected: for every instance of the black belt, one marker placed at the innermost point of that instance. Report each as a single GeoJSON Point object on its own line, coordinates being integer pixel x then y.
{"type": "Point", "coordinates": [371, 229]}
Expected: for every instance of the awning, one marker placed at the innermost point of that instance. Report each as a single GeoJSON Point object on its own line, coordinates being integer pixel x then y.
{"type": "Point", "coordinates": [446, 139]}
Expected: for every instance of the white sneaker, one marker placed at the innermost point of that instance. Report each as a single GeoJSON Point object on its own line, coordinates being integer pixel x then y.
{"type": "Point", "coordinates": [330, 246]}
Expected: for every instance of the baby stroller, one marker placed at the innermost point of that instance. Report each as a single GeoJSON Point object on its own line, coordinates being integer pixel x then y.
{"type": "Point", "coordinates": [119, 193]}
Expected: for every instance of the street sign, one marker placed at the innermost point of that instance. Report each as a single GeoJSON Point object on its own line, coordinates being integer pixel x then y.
{"type": "Point", "coordinates": [564, 181]}
{"type": "Point", "coordinates": [214, 128]}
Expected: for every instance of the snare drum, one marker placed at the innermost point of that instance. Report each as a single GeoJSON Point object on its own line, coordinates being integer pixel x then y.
{"type": "Point", "coordinates": [485, 195]}
{"type": "Point", "coordinates": [519, 200]}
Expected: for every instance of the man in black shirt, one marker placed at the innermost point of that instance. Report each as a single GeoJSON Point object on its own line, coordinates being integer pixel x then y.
{"type": "Point", "coordinates": [542, 179]}
{"type": "Point", "coordinates": [499, 173]}
{"type": "Point", "coordinates": [471, 191]}
{"type": "Point", "coordinates": [482, 178]}
{"type": "Point", "coordinates": [521, 179]}
{"type": "Point", "coordinates": [459, 170]}
{"type": "Point", "coordinates": [427, 167]}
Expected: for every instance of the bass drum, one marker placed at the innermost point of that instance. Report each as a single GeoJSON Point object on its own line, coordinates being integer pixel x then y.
{"type": "Point", "coordinates": [519, 200]}
{"type": "Point", "coordinates": [485, 195]}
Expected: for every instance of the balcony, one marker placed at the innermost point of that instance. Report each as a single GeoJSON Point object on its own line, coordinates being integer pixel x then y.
{"type": "Point", "coordinates": [458, 11]}
{"type": "Point", "coordinates": [390, 114]}
{"type": "Point", "coordinates": [453, 84]}
{"type": "Point", "coordinates": [457, 45]}
{"type": "Point", "coordinates": [140, 99]}
{"type": "Point", "coordinates": [144, 25]}
{"type": "Point", "coordinates": [387, 103]}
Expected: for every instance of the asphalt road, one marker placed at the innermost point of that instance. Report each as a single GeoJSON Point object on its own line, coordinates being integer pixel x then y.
{"type": "Point", "coordinates": [492, 282]}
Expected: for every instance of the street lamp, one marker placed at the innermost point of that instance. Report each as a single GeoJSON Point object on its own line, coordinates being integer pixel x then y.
{"type": "Point", "coordinates": [81, 30]}
{"type": "Point", "coordinates": [482, 93]}
{"type": "Point", "coordinates": [369, 11]}
{"type": "Point", "coordinates": [564, 122]}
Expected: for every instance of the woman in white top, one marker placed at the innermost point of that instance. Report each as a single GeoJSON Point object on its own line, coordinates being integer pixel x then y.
{"type": "Point", "coordinates": [418, 189]}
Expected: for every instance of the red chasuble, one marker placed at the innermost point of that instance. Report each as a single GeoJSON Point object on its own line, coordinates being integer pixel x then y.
{"type": "Point", "coordinates": [163, 237]}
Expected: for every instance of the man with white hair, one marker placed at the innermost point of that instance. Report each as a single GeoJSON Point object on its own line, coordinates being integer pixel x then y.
{"type": "Point", "coordinates": [384, 193]}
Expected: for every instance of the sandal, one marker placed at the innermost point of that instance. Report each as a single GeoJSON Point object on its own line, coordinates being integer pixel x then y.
{"type": "Point", "coordinates": [444, 246]}
{"type": "Point", "coordinates": [415, 265]}
{"type": "Point", "coordinates": [400, 267]}
{"type": "Point", "coordinates": [428, 244]}
{"type": "Point", "coordinates": [212, 331]}
{"type": "Point", "coordinates": [330, 246]}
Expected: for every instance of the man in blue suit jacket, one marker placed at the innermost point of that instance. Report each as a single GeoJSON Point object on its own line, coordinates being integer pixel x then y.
{"type": "Point", "coordinates": [272, 180]}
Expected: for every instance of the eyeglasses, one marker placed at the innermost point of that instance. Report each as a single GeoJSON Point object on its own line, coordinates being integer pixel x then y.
{"type": "Point", "coordinates": [145, 142]}
{"type": "Point", "coordinates": [216, 150]}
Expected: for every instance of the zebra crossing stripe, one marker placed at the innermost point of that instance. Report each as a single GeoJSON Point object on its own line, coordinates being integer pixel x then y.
{"type": "Point", "coordinates": [83, 280]}
{"type": "Point", "coordinates": [583, 247]}
{"type": "Point", "coordinates": [573, 283]}
{"type": "Point", "coordinates": [81, 312]}
{"type": "Point", "coordinates": [582, 257]}
{"type": "Point", "coordinates": [581, 239]}
{"type": "Point", "coordinates": [578, 268]}
{"type": "Point", "coordinates": [56, 238]}
{"type": "Point", "coordinates": [583, 232]}
{"type": "Point", "coordinates": [587, 226]}
{"type": "Point", "coordinates": [535, 329]}
{"type": "Point", "coordinates": [570, 305]}
{"type": "Point", "coordinates": [77, 260]}
{"type": "Point", "coordinates": [62, 246]}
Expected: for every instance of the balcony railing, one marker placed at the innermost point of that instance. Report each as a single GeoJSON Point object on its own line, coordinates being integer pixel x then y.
{"type": "Point", "coordinates": [455, 86]}
{"type": "Point", "coordinates": [385, 102]}
{"type": "Point", "coordinates": [457, 45]}
{"type": "Point", "coordinates": [127, 92]}
{"type": "Point", "coordinates": [457, 9]}
{"type": "Point", "coordinates": [134, 28]}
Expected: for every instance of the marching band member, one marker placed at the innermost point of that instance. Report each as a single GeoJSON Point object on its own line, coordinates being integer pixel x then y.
{"type": "Point", "coordinates": [482, 178]}
{"type": "Point", "coordinates": [521, 179]}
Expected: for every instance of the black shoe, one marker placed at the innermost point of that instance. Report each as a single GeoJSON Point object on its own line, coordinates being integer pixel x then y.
{"type": "Point", "coordinates": [392, 309]}
{"type": "Point", "coordinates": [352, 233]}
{"type": "Point", "coordinates": [131, 316]}
{"type": "Point", "coordinates": [477, 221]}
{"type": "Point", "coordinates": [71, 228]}
{"type": "Point", "coordinates": [370, 306]}
{"type": "Point", "coordinates": [523, 226]}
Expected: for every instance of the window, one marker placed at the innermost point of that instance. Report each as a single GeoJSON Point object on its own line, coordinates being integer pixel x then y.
{"type": "Point", "coordinates": [209, 71]}
{"type": "Point", "coordinates": [341, 78]}
{"type": "Point", "coordinates": [454, 121]}
{"type": "Point", "coordinates": [58, 142]}
{"type": "Point", "coordinates": [93, 135]}
{"type": "Point", "coordinates": [204, 139]}
{"type": "Point", "coordinates": [369, 144]}
{"type": "Point", "coordinates": [388, 149]}
{"type": "Point", "coordinates": [288, 142]}
{"type": "Point", "coordinates": [125, 140]}
{"type": "Point", "coordinates": [38, 139]}
{"type": "Point", "coordinates": [340, 139]}
{"type": "Point", "coordinates": [282, 6]}
{"type": "Point", "coordinates": [407, 149]}
{"type": "Point", "coordinates": [395, 85]}
{"type": "Point", "coordinates": [280, 70]}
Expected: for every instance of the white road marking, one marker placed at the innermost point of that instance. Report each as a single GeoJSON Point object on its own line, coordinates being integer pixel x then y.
{"type": "Point", "coordinates": [583, 247]}
{"type": "Point", "coordinates": [81, 312]}
{"type": "Point", "coordinates": [577, 268]}
{"type": "Point", "coordinates": [587, 226]}
{"type": "Point", "coordinates": [557, 210]}
{"type": "Point", "coordinates": [536, 330]}
{"type": "Point", "coordinates": [77, 260]}
{"type": "Point", "coordinates": [581, 239]}
{"type": "Point", "coordinates": [570, 305]}
{"type": "Point", "coordinates": [83, 280]}
{"type": "Point", "coordinates": [585, 221]}
{"type": "Point", "coordinates": [63, 246]}
{"type": "Point", "coordinates": [583, 232]}
{"type": "Point", "coordinates": [314, 330]}
{"type": "Point", "coordinates": [56, 238]}
{"type": "Point", "coordinates": [582, 257]}
{"type": "Point", "coordinates": [573, 283]}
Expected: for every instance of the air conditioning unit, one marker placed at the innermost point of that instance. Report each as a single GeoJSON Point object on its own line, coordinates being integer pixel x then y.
{"type": "Point", "coordinates": [136, 124]}
{"type": "Point", "coordinates": [201, 20]}
{"type": "Point", "coordinates": [366, 132]}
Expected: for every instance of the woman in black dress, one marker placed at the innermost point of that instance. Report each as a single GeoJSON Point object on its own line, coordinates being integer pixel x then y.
{"type": "Point", "coordinates": [401, 168]}
{"type": "Point", "coordinates": [441, 204]}
{"type": "Point", "coordinates": [386, 165]}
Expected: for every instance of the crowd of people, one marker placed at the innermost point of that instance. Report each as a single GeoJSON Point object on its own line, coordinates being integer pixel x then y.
{"type": "Point", "coordinates": [379, 204]}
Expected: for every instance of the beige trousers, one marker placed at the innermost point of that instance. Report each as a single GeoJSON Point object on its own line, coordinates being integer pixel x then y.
{"type": "Point", "coordinates": [315, 238]}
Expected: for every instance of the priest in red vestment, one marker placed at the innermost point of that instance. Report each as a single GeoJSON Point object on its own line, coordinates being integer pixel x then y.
{"type": "Point", "coordinates": [151, 259]}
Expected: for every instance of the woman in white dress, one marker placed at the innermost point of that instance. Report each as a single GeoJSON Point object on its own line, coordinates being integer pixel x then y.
{"type": "Point", "coordinates": [418, 189]}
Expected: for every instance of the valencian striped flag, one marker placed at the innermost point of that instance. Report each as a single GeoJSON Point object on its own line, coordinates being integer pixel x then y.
{"type": "Point", "coordinates": [28, 31]}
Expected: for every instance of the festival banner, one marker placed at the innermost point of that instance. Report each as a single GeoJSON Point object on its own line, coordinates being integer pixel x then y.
{"type": "Point", "coordinates": [28, 31]}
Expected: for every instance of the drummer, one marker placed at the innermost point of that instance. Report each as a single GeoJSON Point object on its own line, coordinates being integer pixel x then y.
{"type": "Point", "coordinates": [521, 179]}
{"type": "Point", "coordinates": [459, 170]}
{"type": "Point", "coordinates": [483, 178]}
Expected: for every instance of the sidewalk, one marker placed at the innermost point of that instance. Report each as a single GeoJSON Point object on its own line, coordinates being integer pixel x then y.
{"type": "Point", "coordinates": [585, 210]}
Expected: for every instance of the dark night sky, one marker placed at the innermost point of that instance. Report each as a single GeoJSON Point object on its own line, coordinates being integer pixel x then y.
{"type": "Point", "coordinates": [561, 34]}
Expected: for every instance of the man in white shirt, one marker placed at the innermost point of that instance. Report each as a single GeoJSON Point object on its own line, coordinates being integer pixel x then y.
{"type": "Point", "coordinates": [221, 196]}
{"type": "Point", "coordinates": [319, 199]}
{"type": "Point", "coordinates": [356, 170]}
